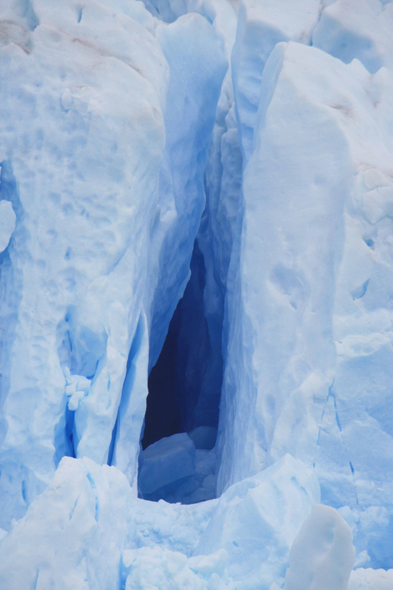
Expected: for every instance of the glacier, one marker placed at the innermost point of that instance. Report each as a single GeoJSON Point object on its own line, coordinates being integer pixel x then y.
{"type": "Point", "coordinates": [196, 349]}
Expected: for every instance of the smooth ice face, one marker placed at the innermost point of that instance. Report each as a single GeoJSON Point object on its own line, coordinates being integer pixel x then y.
{"type": "Point", "coordinates": [322, 555]}
{"type": "Point", "coordinates": [309, 340]}
{"type": "Point", "coordinates": [7, 223]}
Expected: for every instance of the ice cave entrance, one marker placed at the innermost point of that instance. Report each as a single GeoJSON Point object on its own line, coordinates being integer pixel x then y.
{"type": "Point", "coordinates": [178, 461]}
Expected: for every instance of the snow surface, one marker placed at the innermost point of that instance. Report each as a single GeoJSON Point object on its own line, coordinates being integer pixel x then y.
{"type": "Point", "coordinates": [247, 144]}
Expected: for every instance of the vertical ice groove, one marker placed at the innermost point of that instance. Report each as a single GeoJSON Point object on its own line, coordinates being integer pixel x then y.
{"type": "Point", "coordinates": [127, 430]}
{"type": "Point", "coordinates": [198, 69]}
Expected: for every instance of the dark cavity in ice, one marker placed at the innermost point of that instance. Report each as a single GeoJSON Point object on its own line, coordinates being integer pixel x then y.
{"type": "Point", "coordinates": [178, 460]}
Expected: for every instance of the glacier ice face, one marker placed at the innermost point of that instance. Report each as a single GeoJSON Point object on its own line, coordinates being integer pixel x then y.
{"type": "Point", "coordinates": [257, 519]}
{"type": "Point", "coordinates": [7, 223]}
{"type": "Point", "coordinates": [236, 156]}
{"type": "Point", "coordinates": [166, 569]}
{"type": "Point", "coordinates": [175, 220]}
{"type": "Point", "coordinates": [88, 513]}
{"type": "Point", "coordinates": [93, 237]}
{"type": "Point", "coordinates": [72, 254]}
{"type": "Point", "coordinates": [260, 28]}
{"type": "Point", "coordinates": [188, 45]}
{"type": "Point", "coordinates": [75, 531]}
{"type": "Point", "coordinates": [307, 357]}
{"type": "Point", "coordinates": [362, 30]}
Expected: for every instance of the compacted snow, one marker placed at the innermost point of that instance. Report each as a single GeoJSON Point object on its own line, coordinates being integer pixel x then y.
{"type": "Point", "coordinates": [196, 294]}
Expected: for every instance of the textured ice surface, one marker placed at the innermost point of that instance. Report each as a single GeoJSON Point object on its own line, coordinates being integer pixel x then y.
{"type": "Point", "coordinates": [369, 579]}
{"type": "Point", "coordinates": [82, 178]}
{"type": "Point", "coordinates": [75, 530]}
{"type": "Point", "coordinates": [87, 529]}
{"type": "Point", "coordinates": [79, 262]}
{"type": "Point", "coordinates": [247, 144]}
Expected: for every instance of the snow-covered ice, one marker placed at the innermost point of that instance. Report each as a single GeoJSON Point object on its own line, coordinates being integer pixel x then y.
{"type": "Point", "coordinates": [196, 257]}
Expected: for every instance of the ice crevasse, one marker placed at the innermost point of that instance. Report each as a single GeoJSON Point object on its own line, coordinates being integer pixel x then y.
{"type": "Point", "coordinates": [196, 254]}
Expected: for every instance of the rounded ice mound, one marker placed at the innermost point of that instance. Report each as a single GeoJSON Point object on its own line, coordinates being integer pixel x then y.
{"type": "Point", "coordinates": [322, 555]}
{"type": "Point", "coordinates": [7, 223]}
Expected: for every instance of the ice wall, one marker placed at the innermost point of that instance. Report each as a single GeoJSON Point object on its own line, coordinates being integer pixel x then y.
{"type": "Point", "coordinates": [82, 179]}
{"type": "Point", "coordinates": [97, 191]}
{"type": "Point", "coordinates": [259, 133]}
{"type": "Point", "coordinates": [310, 330]}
